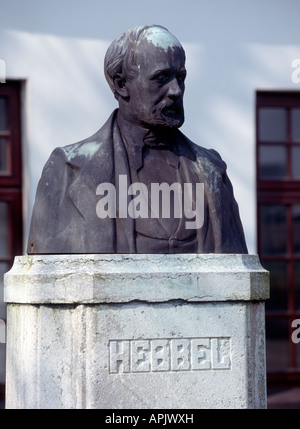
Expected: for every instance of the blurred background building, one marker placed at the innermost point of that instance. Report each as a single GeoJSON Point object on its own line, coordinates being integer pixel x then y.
{"type": "Point", "coordinates": [242, 99]}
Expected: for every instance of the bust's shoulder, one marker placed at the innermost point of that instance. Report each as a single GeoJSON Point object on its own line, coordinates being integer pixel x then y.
{"type": "Point", "coordinates": [83, 150]}
{"type": "Point", "coordinates": [205, 155]}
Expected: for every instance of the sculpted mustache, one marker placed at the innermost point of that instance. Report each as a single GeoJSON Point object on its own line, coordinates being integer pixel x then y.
{"type": "Point", "coordinates": [175, 107]}
{"type": "Point", "coordinates": [155, 114]}
{"type": "Point", "coordinates": [172, 109]}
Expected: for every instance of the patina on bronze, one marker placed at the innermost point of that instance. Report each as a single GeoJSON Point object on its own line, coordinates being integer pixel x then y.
{"type": "Point", "coordinates": [140, 142]}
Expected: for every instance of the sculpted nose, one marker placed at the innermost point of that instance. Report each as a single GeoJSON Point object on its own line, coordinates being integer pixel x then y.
{"type": "Point", "coordinates": [175, 90]}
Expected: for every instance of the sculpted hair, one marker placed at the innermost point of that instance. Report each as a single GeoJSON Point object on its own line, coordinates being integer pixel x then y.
{"type": "Point", "coordinates": [120, 57]}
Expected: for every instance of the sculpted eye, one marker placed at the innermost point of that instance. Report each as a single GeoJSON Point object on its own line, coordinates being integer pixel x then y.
{"type": "Point", "coordinates": [162, 77]}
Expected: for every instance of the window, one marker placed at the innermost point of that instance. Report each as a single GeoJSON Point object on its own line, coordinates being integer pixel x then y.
{"type": "Point", "coordinates": [10, 191]}
{"type": "Point", "coordinates": [278, 214]}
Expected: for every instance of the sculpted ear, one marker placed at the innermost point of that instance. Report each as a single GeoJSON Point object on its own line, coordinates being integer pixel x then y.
{"type": "Point", "coordinates": [120, 86]}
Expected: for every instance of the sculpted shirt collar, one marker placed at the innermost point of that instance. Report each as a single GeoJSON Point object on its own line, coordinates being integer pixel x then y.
{"type": "Point", "coordinates": [136, 138]}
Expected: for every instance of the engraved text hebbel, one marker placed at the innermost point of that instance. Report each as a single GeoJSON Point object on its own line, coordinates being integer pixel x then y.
{"type": "Point", "coordinates": [156, 355]}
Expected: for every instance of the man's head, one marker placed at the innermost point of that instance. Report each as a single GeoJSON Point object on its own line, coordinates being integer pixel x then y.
{"type": "Point", "coordinates": [145, 68]}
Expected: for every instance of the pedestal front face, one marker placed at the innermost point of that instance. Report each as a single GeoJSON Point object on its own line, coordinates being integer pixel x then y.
{"type": "Point", "coordinates": [178, 344]}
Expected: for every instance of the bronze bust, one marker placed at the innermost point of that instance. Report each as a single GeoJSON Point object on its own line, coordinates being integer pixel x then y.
{"type": "Point", "coordinates": [138, 185]}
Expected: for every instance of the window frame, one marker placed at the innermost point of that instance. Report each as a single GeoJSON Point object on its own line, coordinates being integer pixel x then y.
{"type": "Point", "coordinates": [280, 191]}
{"type": "Point", "coordinates": [288, 100]}
{"type": "Point", "coordinates": [12, 90]}
{"type": "Point", "coordinates": [11, 182]}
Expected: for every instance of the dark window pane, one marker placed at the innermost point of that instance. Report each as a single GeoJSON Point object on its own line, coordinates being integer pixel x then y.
{"type": "Point", "coordinates": [272, 124]}
{"type": "Point", "coordinates": [4, 160]}
{"type": "Point", "coordinates": [3, 114]}
{"type": "Point", "coordinates": [272, 162]}
{"type": "Point", "coordinates": [277, 346]}
{"type": "Point", "coordinates": [273, 229]}
{"type": "Point", "coordinates": [296, 227]}
{"type": "Point", "coordinates": [278, 285]}
{"type": "Point", "coordinates": [296, 124]}
{"type": "Point", "coordinates": [296, 162]}
{"type": "Point", "coordinates": [3, 229]}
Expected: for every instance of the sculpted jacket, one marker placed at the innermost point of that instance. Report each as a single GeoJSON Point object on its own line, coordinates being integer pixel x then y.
{"type": "Point", "coordinates": [64, 218]}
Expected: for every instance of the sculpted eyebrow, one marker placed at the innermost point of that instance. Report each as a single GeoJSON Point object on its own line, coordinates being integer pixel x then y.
{"type": "Point", "coordinates": [167, 73]}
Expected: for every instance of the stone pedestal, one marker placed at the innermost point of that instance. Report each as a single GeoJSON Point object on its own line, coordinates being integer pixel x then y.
{"type": "Point", "coordinates": [136, 331]}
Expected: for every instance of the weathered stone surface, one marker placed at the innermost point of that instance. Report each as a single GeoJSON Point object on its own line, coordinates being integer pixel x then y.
{"type": "Point", "coordinates": [67, 279]}
{"type": "Point", "coordinates": [136, 331]}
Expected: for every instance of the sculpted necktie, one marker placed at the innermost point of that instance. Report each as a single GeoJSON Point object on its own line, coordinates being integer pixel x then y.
{"type": "Point", "coordinates": [156, 140]}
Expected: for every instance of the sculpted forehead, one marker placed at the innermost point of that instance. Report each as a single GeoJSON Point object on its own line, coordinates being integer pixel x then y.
{"type": "Point", "coordinates": [161, 38]}
{"type": "Point", "coordinates": [159, 49]}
